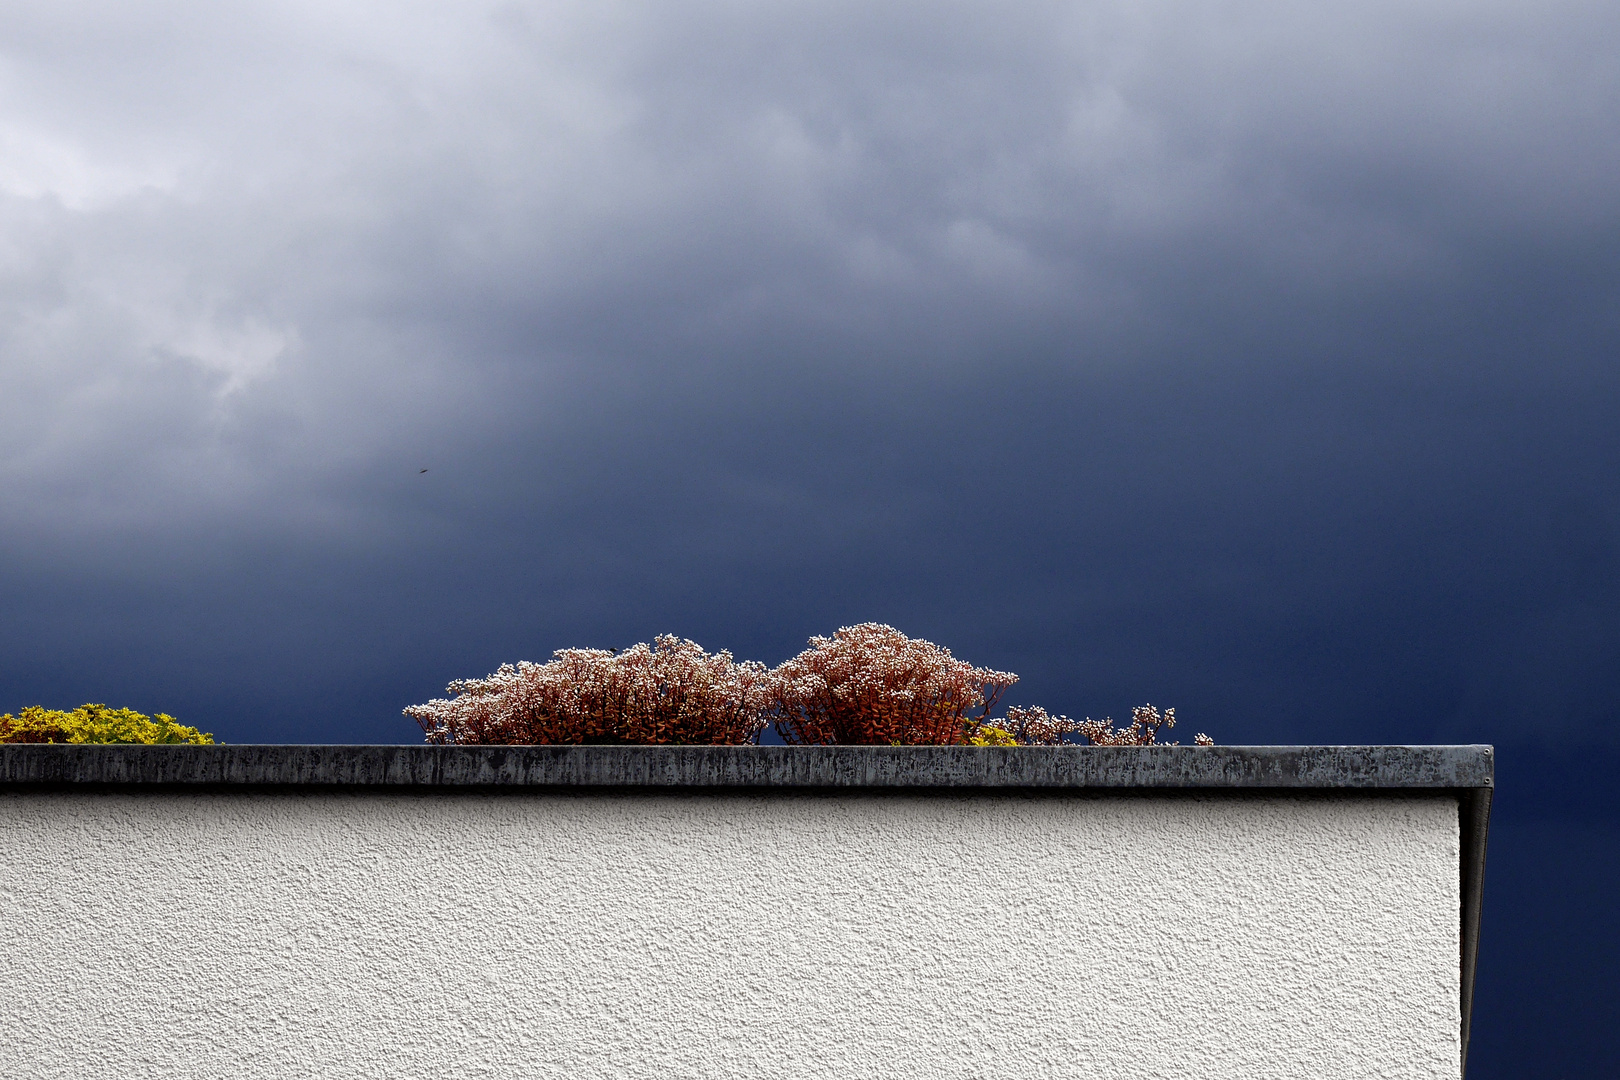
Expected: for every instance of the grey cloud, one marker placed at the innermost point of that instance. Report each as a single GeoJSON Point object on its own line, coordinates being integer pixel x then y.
{"type": "Point", "coordinates": [769, 315]}
{"type": "Point", "coordinates": [1252, 358]}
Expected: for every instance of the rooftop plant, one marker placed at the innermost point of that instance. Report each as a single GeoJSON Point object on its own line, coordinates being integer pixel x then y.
{"type": "Point", "coordinates": [668, 692]}
{"type": "Point", "coordinates": [1035, 725]}
{"type": "Point", "coordinates": [868, 684]}
{"type": "Point", "coordinates": [95, 724]}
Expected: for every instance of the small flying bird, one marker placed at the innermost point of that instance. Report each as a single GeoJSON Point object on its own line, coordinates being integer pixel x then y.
{"type": "Point", "coordinates": [420, 473]}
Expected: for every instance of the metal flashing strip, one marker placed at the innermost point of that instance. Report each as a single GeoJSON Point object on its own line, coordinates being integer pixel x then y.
{"type": "Point", "coordinates": [1110, 767]}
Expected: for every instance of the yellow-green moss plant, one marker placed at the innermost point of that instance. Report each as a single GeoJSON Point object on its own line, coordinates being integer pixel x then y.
{"type": "Point", "coordinates": [96, 724]}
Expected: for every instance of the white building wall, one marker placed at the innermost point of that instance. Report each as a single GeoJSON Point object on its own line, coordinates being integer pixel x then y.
{"type": "Point", "coordinates": [361, 935]}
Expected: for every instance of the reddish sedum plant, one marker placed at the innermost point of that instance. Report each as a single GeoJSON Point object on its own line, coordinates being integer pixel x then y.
{"type": "Point", "coordinates": [872, 685]}
{"type": "Point", "coordinates": [866, 685]}
{"type": "Point", "coordinates": [1036, 726]}
{"type": "Point", "coordinates": [1146, 721]}
{"type": "Point", "coordinates": [668, 692]}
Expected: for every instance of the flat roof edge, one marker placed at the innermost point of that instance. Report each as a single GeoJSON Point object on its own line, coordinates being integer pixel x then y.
{"type": "Point", "coordinates": [1465, 772]}
{"type": "Point", "coordinates": [757, 767]}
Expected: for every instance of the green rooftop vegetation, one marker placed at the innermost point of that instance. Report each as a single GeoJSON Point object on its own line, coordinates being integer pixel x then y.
{"type": "Point", "coordinates": [96, 724]}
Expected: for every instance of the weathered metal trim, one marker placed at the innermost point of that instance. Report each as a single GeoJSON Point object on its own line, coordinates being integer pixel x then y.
{"type": "Point", "coordinates": [770, 767]}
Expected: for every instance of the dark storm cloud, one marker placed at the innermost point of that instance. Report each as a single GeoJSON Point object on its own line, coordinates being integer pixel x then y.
{"type": "Point", "coordinates": [1253, 358]}
{"type": "Point", "coordinates": [1069, 331]}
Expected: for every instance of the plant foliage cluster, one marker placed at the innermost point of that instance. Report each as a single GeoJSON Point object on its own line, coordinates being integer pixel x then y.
{"type": "Point", "coordinates": [96, 724]}
{"type": "Point", "coordinates": [668, 692]}
{"type": "Point", "coordinates": [872, 685]}
{"type": "Point", "coordinates": [865, 685]}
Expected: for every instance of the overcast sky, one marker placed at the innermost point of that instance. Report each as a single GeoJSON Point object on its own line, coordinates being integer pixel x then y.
{"type": "Point", "coordinates": [1253, 358]}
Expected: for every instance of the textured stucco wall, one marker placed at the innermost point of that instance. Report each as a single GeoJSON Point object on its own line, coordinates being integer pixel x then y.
{"type": "Point", "coordinates": [305, 934]}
